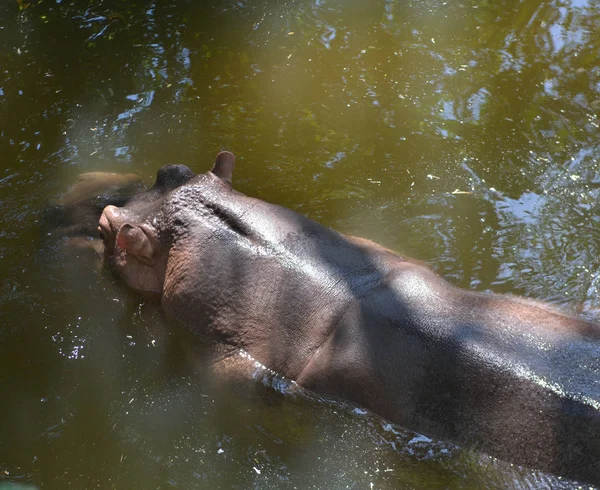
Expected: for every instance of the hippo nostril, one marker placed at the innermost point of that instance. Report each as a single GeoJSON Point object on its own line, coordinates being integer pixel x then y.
{"type": "Point", "coordinates": [104, 227]}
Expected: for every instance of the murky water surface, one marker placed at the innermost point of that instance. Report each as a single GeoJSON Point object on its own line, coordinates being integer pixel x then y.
{"type": "Point", "coordinates": [464, 133]}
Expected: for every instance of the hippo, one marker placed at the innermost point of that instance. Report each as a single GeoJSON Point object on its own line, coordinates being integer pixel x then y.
{"type": "Point", "coordinates": [342, 316]}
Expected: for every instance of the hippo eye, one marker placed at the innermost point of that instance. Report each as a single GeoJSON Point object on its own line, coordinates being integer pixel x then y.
{"type": "Point", "coordinates": [101, 233]}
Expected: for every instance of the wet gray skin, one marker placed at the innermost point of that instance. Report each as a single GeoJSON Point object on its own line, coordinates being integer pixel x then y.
{"type": "Point", "coordinates": [512, 377]}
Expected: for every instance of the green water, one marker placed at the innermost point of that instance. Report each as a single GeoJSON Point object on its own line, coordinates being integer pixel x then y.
{"type": "Point", "coordinates": [463, 133]}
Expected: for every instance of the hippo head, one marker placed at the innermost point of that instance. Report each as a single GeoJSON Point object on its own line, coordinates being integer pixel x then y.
{"type": "Point", "coordinates": [135, 245]}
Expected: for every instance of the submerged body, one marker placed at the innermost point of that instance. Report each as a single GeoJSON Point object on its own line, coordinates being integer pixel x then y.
{"type": "Point", "coordinates": [75, 216]}
{"type": "Point", "coordinates": [339, 315]}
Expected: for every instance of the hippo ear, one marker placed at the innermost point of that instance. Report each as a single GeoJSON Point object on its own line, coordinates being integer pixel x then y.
{"type": "Point", "coordinates": [223, 167]}
{"type": "Point", "coordinates": [136, 242]}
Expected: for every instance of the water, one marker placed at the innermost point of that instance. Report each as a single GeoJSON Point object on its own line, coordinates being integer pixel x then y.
{"type": "Point", "coordinates": [462, 133]}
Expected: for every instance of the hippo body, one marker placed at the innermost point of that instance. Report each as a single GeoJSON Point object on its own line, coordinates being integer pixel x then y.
{"type": "Point", "coordinates": [512, 377]}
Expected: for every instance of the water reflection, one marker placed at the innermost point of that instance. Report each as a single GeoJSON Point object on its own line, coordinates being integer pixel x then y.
{"type": "Point", "coordinates": [367, 116]}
